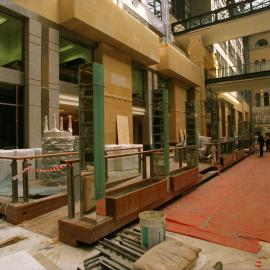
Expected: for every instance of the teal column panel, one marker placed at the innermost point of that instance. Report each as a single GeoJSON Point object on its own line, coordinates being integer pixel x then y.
{"type": "Point", "coordinates": [166, 131]}
{"type": "Point", "coordinates": [99, 142]}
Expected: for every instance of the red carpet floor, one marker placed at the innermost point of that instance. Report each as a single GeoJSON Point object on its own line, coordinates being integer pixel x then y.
{"type": "Point", "coordinates": [232, 209]}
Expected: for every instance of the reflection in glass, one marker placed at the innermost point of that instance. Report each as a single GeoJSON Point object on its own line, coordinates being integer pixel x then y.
{"type": "Point", "coordinates": [11, 117]}
{"type": "Point", "coordinates": [266, 99]}
{"type": "Point", "coordinates": [138, 86]}
{"type": "Point", "coordinates": [71, 56]}
{"type": "Point", "coordinates": [11, 42]}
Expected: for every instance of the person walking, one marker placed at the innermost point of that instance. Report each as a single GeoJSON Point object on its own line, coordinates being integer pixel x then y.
{"type": "Point", "coordinates": [261, 143]}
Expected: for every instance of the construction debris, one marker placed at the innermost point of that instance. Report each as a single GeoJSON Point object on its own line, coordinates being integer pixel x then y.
{"type": "Point", "coordinates": [170, 254]}
{"type": "Point", "coordinates": [124, 252]}
{"type": "Point", "coordinates": [118, 253]}
{"type": "Point", "coordinates": [10, 240]}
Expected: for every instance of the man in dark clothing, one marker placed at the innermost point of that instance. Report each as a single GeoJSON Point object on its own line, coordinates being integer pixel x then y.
{"type": "Point", "coordinates": [261, 142]}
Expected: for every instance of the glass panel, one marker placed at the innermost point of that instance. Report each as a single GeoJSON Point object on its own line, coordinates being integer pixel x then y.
{"type": "Point", "coordinates": [11, 42]}
{"type": "Point", "coordinates": [11, 117]}
{"type": "Point", "coordinates": [266, 99]}
{"type": "Point", "coordinates": [7, 94]}
{"type": "Point", "coordinates": [137, 83]}
{"type": "Point", "coordinates": [20, 127]}
{"type": "Point", "coordinates": [20, 95]}
{"type": "Point", "coordinates": [8, 122]}
{"type": "Point", "coordinates": [71, 56]}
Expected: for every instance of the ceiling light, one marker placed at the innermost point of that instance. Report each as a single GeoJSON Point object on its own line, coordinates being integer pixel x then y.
{"type": "Point", "coordinates": [66, 48]}
{"type": "Point", "coordinates": [69, 100]}
{"type": "Point", "coordinates": [232, 98]}
{"type": "Point", "coordinates": [2, 20]}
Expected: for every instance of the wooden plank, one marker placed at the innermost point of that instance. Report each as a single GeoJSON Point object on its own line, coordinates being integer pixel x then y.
{"type": "Point", "coordinates": [123, 129]}
{"type": "Point", "coordinates": [10, 240]}
{"type": "Point", "coordinates": [20, 260]}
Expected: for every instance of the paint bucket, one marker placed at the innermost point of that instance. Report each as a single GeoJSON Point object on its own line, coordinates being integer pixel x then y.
{"type": "Point", "coordinates": [153, 228]}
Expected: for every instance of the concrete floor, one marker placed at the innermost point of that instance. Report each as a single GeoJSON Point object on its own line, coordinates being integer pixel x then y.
{"type": "Point", "coordinates": [69, 258]}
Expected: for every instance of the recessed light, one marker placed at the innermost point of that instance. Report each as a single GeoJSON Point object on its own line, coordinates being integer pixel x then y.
{"type": "Point", "coordinates": [2, 20]}
{"type": "Point", "coordinates": [66, 48]}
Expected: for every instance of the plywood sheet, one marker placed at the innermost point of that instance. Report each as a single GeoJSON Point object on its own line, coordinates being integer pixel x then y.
{"type": "Point", "coordinates": [20, 260]}
{"type": "Point", "coordinates": [123, 129]}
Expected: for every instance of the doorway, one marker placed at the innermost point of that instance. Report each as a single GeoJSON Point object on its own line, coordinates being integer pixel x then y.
{"type": "Point", "coordinates": [138, 129]}
{"type": "Point", "coordinates": [11, 116]}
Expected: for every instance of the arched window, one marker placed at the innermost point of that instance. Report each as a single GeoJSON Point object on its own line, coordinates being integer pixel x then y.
{"type": "Point", "coordinates": [263, 64]}
{"type": "Point", "coordinates": [257, 65]}
{"type": "Point", "coordinates": [258, 100]}
{"type": "Point", "coordinates": [266, 99]}
{"type": "Point", "coordinates": [261, 43]}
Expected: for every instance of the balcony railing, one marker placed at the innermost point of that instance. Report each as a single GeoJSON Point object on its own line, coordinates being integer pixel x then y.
{"type": "Point", "coordinates": [238, 70]}
{"type": "Point", "coordinates": [262, 119]}
{"type": "Point", "coordinates": [219, 15]}
{"type": "Point", "coordinates": [145, 12]}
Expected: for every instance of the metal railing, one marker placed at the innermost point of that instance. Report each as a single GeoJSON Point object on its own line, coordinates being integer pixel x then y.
{"type": "Point", "coordinates": [238, 70]}
{"type": "Point", "coordinates": [229, 12]}
{"type": "Point", "coordinates": [151, 165]}
{"type": "Point", "coordinates": [150, 162]}
{"type": "Point", "coordinates": [49, 158]}
{"type": "Point", "coordinates": [229, 145]}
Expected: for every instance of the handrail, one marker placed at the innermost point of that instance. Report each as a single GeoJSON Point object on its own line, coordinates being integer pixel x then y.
{"type": "Point", "coordinates": [124, 149]}
{"type": "Point", "coordinates": [41, 156]}
{"type": "Point", "coordinates": [148, 151]}
{"type": "Point", "coordinates": [238, 70]}
{"type": "Point", "coordinates": [217, 16]}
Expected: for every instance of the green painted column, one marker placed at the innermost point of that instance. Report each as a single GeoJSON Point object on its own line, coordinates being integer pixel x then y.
{"type": "Point", "coordinates": [166, 131]}
{"type": "Point", "coordinates": [99, 142]}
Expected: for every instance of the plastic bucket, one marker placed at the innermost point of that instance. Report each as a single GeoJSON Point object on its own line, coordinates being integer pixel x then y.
{"type": "Point", "coordinates": [153, 228]}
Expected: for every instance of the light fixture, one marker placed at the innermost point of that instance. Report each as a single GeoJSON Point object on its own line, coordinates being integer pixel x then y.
{"type": "Point", "coordinates": [2, 20]}
{"type": "Point", "coordinates": [232, 98]}
{"type": "Point", "coordinates": [66, 48]}
{"type": "Point", "coordinates": [69, 100]}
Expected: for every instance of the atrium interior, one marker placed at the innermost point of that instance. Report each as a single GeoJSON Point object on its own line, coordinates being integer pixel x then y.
{"type": "Point", "coordinates": [111, 109]}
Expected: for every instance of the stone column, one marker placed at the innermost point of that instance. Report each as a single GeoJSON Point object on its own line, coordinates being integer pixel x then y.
{"type": "Point", "coordinates": [50, 74]}
{"type": "Point", "coordinates": [227, 113]}
{"type": "Point", "coordinates": [197, 53]}
{"type": "Point", "coordinates": [220, 118]}
{"type": "Point", "coordinates": [33, 84]}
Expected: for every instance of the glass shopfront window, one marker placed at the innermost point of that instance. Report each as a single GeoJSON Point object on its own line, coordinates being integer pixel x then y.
{"type": "Point", "coordinates": [71, 56]}
{"type": "Point", "coordinates": [138, 86]}
{"type": "Point", "coordinates": [11, 116]}
{"type": "Point", "coordinates": [11, 42]}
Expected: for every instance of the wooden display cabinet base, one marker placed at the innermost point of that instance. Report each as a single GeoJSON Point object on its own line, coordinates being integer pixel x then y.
{"type": "Point", "coordinates": [16, 213]}
{"type": "Point", "coordinates": [75, 231]}
{"type": "Point", "coordinates": [182, 181]}
{"type": "Point", "coordinates": [228, 160]}
{"type": "Point", "coordinates": [240, 154]}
